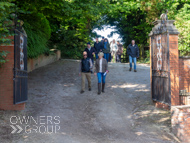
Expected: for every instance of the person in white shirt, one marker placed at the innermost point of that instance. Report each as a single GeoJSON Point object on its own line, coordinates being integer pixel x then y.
{"type": "Point", "coordinates": [114, 48]}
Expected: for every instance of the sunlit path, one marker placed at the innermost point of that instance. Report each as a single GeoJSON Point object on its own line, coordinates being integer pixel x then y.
{"type": "Point", "coordinates": [123, 114]}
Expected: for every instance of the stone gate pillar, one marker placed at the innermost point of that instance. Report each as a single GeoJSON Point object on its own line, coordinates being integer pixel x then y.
{"type": "Point", "coordinates": [180, 114]}
{"type": "Point", "coordinates": [164, 61]}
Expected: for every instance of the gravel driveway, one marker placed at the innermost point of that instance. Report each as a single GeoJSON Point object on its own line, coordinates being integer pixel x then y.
{"type": "Point", "coordinates": [123, 114]}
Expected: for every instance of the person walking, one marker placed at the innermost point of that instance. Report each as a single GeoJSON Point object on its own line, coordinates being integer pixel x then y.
{"type": "Point", "coordinates": [113, 47]}
{"type": "Point", "coordinates": [90, 52]}
{"type": "Point", "coordinates": [102, 41]}
{"type": "Point", "coordinates": [98, 47]}
{"type": "Point", "coordinates": [85, 70]}
{"type": "Point", "coordinates": [133, 52]}
{"type": "Point", "coordinates": [106, 49]}
{"type": "Point", "coordinates": [101, 69]}
{"type": "Point", "coordinates": [119, 52]}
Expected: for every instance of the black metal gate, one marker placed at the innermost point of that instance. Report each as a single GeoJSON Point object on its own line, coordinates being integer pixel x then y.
{"type": "Point", "coordinates": [160, 63]}
{"type": "Point", "coordinates": [20, 67]}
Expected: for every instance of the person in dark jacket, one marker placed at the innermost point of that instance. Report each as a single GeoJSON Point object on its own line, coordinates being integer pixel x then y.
{"type": "Point", "coordinates": [85, 70]}
{"type": "Point", "coordinates": [90, 52]}
{"type": "Point", "coordinates": [133, 52]}
{"type": "Point", "coordinates": [102, 43]}
{"type": "Point", "coordinates": [101, 71]}
{"type": "Point", "coordinates": [98, 47]}
{"type": "Point", "coordinates": [106, 49]}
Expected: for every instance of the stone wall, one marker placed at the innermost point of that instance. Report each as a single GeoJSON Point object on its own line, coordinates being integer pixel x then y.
{"type": "Point", "coordinates": [42, 60]}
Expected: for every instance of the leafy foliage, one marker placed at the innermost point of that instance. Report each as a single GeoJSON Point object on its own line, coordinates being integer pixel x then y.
{"type": "Point", "coordinates": [71, 22]}
{"type": "Point", "coordinates": [130, 21]}
{"type": "Point", "coordinates": [2, 57]}
{"type": "Point", "coordinates": [183, 25]}
{"type": "Point", "coordinates": [38, 33]}
{"type": "Point", "coordinates": [177, 10]}
{"type": "Point", "coordinates": [6, 8]}
{"type": "Point", "coordinates": [68, 24]}
{"type": "Point", "coordinates": [76, 25]}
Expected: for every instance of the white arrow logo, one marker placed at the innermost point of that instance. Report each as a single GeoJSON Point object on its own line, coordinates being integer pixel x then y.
{"type": "Point", "coordinates": [20, 129]}
{"type": "Point", "coordinates": [15, 129]}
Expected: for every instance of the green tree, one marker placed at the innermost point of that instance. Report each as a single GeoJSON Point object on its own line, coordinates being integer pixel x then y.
{"type": "Point", "coordinates": [6, 9]}
{"type": "Point", "coordinates": [68, 24]}
{"type": "Point", "coordinates": [183, 25]}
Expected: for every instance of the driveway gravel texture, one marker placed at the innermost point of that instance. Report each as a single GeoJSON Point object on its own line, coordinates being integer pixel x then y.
{"type": "Point", "coordinates": [123, 114]}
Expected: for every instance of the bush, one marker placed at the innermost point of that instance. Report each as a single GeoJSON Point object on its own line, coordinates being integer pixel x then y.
{"type": "Point", "coordinates": [70, 51]}
{"type": "Point", "coordinates": [182, 24]}
{"type": "Point", "coordinates": [38, 31]}
{"type": "Point", "coordinates": [6, 8]}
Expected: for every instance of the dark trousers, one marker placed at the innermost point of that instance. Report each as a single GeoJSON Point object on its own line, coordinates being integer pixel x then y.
{"type": "Point", "coordinates": [96, 56]}
{"type": "Point", "coordinates": [118, 58]}
{"type": "Point", "coordinates": [110, 57]}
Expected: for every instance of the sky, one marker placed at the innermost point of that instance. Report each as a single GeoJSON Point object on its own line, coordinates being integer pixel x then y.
{"type": "Point", "coordinates": [106, 31]}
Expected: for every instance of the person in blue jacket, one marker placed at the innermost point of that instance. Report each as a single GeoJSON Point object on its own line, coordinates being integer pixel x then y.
{"type": "Point", "coordinates": [106, 49]}
{"type": "Point", "coordinates": [133, 52]}
{"type": "Point", "coordinates": [90, 52]}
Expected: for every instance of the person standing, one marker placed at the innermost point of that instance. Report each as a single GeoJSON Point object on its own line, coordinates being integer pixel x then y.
{"type": "Point", "coordinates": [113, 47]}
{"type": "Point", "coordinates": [119, 51]}
{"type": "Point", "coordinates": [102, 41]}
{"type": "Point", "coordinates": [133, 52]}
{"type": "Point", "coordinates": [106, 49]}
{"type": "Point", "coordinates": [101, 71]}
{"type": "Point", "coordinates": [85, 70]}
{"type": "Point", "coordinates": [98, 47]}
{"type": "Point", "coordinates": [90, 52]}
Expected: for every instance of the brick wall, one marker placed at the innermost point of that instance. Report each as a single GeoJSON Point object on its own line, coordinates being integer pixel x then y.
{"type": "Point", "coordinates": [161, 105]}
{"type": "Point", "coordinates": [184, 74]}
{"type": "Point", "coordinates": [180, 120]}
{"type": "Point", "coordinates": [174, 69]}
{"type": "Point", "coordinates": [6, 80]}
{"type": "Point", "coordinates": [184, 80]}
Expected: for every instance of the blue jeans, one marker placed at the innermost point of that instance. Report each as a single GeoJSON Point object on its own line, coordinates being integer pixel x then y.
{"type": "Point", "coordinates": [96, 56]}
{"type": "Point", "coordinates": [133, 59]}
{"type": "Point", "coordinates": [101, 77]}
{"type": "Point", "coordinates": [106, 56]}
